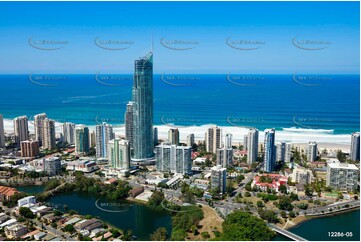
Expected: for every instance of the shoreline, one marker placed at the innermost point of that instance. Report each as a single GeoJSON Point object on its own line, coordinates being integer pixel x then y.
{"type": "Point", "coordinates": [295, 134]}
{"type": "Point", "coordinates": [309, 218]}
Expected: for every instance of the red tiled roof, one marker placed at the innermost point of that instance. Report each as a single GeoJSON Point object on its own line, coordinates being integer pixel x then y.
{"type": "Point", "coordinates": [8, 191]}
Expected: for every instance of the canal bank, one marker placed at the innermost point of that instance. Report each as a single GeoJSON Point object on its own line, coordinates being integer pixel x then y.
{"type": "Point", "coordinates": [143, 221]}
{"type": "Point", "coordinates": [321, 228]}
{"type": "Point", "coordinates": [121, 214]}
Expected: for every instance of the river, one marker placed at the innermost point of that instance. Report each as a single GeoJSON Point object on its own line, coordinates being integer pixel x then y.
{"type": "Point", "coordinates": [143, 220]}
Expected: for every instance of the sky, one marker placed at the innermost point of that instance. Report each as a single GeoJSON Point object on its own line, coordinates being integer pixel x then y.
{"type": "Point", "coordinates": [187, 37]}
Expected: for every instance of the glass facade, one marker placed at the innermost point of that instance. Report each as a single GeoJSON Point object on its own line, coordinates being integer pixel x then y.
{"type": "Point", "coordinates": [142, 95]}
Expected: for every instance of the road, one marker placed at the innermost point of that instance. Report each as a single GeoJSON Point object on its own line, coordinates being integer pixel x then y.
{"type": "Point", "coordinates": [54, 231]}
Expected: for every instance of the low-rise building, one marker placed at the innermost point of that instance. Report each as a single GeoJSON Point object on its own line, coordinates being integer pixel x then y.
{"type": "Point", "coordinates": [83, 165]}
{"type": "Point", "coordinates": [302, 175]}
{"type": "Point", "coordinates": [27, 201]}
{"type": "Point", "coordinates": [15, 231]}
{"type": "Point", "coordinates": [7, 192]}
{"type": "Point", "coordinates": [269, 181]}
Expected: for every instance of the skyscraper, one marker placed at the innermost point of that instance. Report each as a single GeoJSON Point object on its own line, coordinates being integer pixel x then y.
{"type": "Point", "coordinates": [173, 136]}
{"type": "Point", "coordinates": [68, 132]}
{"type": "Point", "coordinates": [48, 131]}
{"type": "Point", "coordinates": [269, 150]}
{"type": "Point", "coordinates": [2, 132]}
{"type": "Point", "coordinates": [38, 127]}
{"type": "Point", "coordinates": [21, 129]}
{"type": "Point", "coordinates": [142, 95]}
{"type": "Point", "coordinates": [213, 139]}
{"type": "Point", "coordinates": [81, 140]}
{"type": "Point", "coordinates": [355, 146]}
{"type": "Point", "coordinates": [172, 158]}
{"type": "Point", "coordinates": [245, 142]}
{"type": "Point", "coordinates": [29, 148]}
{"type": "Point", "coordinates": [225, 157]}
{"type": "Point", "coordinates": [190, 140]}
{"type": "Point", "coordinates": [252, 146]}
{"type": "Point", "coordinates": [312, 151]}
{"type": "Point", "coordinates": [155, 136]}
{"type": "Point", "coordinates": [119, 154]}
{"type": "Point", "coordinates": [219, 178]}
{"type": "Point", "coordinates": [103, 133]}
{"type": "Point", "coordinates": [228, 141]}
{"type": "Point", "coordinates": [283, 152]}
{"type": "Point", "coordinates": [128, 117]}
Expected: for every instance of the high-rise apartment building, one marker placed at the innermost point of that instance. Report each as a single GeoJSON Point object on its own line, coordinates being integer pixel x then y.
{"type": "Point", "coordinates": [119, 154]}
{"type": "Point", "coordinates": [213, 139]}
{"type": "Point", "coordinates": [355, 146]}
{"type": "Point", "coordinates": [252, 146]}
{"type": "Point", "coordinates": [142, 97]}
{"type": "Point", "coordinates": [103, 134]}
{"type": "Point", "coordinates": [21, 129]}
{"type": "Point", "coordinates": [269, 150]}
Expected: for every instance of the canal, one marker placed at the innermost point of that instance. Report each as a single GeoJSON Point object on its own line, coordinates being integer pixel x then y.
{"type": "Point", "coordinates": [143, 220]}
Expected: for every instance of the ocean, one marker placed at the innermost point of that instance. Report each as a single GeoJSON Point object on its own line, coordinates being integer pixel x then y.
{"type": "Point", "coordinates": [301, 107]}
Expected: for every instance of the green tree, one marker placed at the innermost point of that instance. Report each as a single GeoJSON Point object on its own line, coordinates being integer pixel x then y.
{"type": "Point", "coordinates": [26, 212]}
{"type": "Point", "coordinates": [240, 226]}
{"type": "Point", "coordinates": [159, 235]}
{"type": "Point", "coordinates": [69, 228]}
{"type": "Point", "coordinates": [285, 203]}
{"type": "Point", "coordinates": [156, 199]}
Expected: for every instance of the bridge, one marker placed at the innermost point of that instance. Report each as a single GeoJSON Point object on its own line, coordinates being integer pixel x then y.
{"type": "Point", "coordinates": [286, 233]}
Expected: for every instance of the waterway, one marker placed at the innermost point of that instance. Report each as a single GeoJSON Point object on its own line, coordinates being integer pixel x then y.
{"type": "Point", "coordinates": [143, 220]}
{"type": "Point", "coordinates": [139, 218]}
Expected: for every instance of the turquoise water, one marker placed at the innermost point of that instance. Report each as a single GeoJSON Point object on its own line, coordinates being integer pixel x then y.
{"type": "Point", "coordinates": [271, 101]}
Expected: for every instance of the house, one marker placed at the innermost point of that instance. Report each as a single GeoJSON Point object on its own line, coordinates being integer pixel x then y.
{"type": "Point", "coordinates": [136, 191]}
{"type": "Point", "coordinates": [7, 192]}
{"type": "Point", "coordinates": [15, 231]}
{"type": "Point", "coordinates": [39, 236]}
{"type": "Point", "coordinates": [269, 181]}
{"type": "Point", "coordinates": [111, 181]}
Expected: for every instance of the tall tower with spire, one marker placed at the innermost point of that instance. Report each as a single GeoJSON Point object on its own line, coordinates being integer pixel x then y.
{"type": "Point", "coordinates": [142, 98]}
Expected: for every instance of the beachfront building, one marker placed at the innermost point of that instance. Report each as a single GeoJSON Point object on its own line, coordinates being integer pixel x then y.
{"type": "Point", "coordinates": [228, 140]}
{"type": "Point", "coordinates": [213, 139]}
{"type": "Point", "coordinates": [128, 117]}
{"type": "Point", "coordinates": [252, 145]}
{"type": "Point", "coordinates": [190, 140]}
{"type": "Point", "coordinates": [142, 97]}
{"type": "Point", "coordinates": [225, 157]}
{"type": "Point", "coordinates": [245, 142]}
{"type": "Point", "coordinates": [312, 151]}
{"type": "Point", "coordinates": [92, 139]}
{"type": "Point", "coordinates": [103, 134]}
{"type": "Point", "coordinates": [48, 132]}
{"type": "Point", "coordinates": [38, 127]}
{"type": "Point", "coordinates": [355, 146]}
{"type": "Point", "coordinates": [219, 178]}
{"type": "Point", "coordinates": [68, 133]}
{"type": "Point", "coordinates": [29, 148]}
{"type": "Point", "coordinates": [172, 158]}
{"type": "Point", "coordinates": [283, 152]}
{"type": "Point", "coordinates": [81, 140]}
{"type": "Point", "coordinates": [155, 136]}
{"type": "Point", "coordinates": [302, 175]}
{"type": "Point", "coordinates": [342, 176]}
{"type": "Point", "coordinates": [173, 136]}
{"type": "Point", "coordinates": [2, 132]}
{"type": "Point", "coordinates": [269, 150]}
{"type": "Point", "coordinates": [119, 154]}
{"type": "Point", "coordinates": [21, 130]}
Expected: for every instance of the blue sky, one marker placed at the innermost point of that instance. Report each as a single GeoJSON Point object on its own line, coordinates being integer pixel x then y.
{"type": "Point", "coordinates": [204, 26]}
